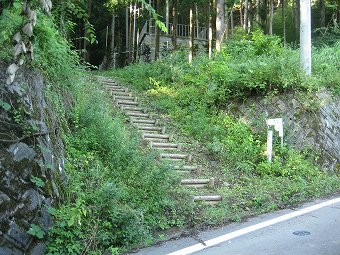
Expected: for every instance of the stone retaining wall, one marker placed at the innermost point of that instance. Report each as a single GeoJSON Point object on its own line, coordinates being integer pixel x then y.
{"type": "Point", "coordinates": [30, 147]}
{"type": "Point", "coordinates": [310, 121]}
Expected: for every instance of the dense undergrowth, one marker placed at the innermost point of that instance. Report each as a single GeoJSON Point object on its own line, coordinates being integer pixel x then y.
{"type": "Point", "coordinates": [115, 194]}
{"type": "Point", "coordinates": [195, 98]}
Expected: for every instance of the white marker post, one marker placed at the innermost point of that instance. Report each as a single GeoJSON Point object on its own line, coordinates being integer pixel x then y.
{"type": "Point", "coordinates": [278, 126]}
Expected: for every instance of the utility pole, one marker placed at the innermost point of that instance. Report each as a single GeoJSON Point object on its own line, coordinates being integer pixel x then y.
{"type": "Point", "coordinates": [305, 36]}
{"type": "Point", "coordinates": [191, 37]}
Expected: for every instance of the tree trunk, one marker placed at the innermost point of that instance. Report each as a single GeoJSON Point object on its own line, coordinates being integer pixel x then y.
{"type": "Point", "coordinates": [338, 18]}
{"type": "Point", "coordinates": [197, 24]}
{"type": "Point", "coordinates": [232, 20]}
{"type": "Point", "coordinates": [127, 29]}
{"type": "Point", "coordinates": [257, 13]}
{"type": "Point", "coordinates": [271, 16]}
{"type": "Point", "coordinates": [167, 15]}
{"type": "Point", "coordinates": [264, 15]}
{"type": "Point", "coordinates": [227, 30]}
{"type": "Point", "coordinates": [86, 54]}
{"type": "Point", "coordinates": [297, 19]}
{"type": "Point", "coordinates": [250, 3]}
{"type": "Point", "coordinates": [174, 24]}
{"type": "Point", "coordinates": [219, 24]}
{"type": "Point", "coordinates": [322, 13]}
{"type": "Point", "coordinates": [283, 2]}
{"type": "Point", "coordinates": [130, 32]}
{"type": "Point", "coordinates": [158, 32]}
{"type": "Point", "coordinates": [134, 41]}
{"type": "Point", "coordinates": [245, 22]}
{"type": "Point", "coordinates": [241, 13]}
{"type": "Point", "coordinates": [113, 28]}
{"type": "Point", "coordinates": [210, 35]}
{"type": "Point", "coordinates": [191, 36]}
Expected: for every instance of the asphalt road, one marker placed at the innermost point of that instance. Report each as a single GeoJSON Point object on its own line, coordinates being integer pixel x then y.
{"type": "Point", "coordinates": [300, 231]}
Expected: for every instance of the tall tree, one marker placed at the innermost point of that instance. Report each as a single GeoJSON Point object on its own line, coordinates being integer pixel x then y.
{"type": "Point", "coordinates": [251, 15]}
{"type": "Point", "coordinates": [271, 16]}
{"type": "Point", "coordinates": [283, 2]}
{"type": "Point", "coordinates": [245, 16]}
{"type": "Point", "coordinates": [210, 35]}
{"type": "Point", "coordinates": [219, 24]}
{"type": "Point", "coordinates": [130, 32]}
{"type": "Point", "coordinates": [322, 13]}
{"type": "Point", "coordinates": [174, 24]}
{"type": "Point", "coordinates": [263, 14]}
{"type": "Point", "coordinates": [158, 32]}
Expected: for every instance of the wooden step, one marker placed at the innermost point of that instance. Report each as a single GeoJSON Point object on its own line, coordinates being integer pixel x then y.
{"type": "Point", "coordinates": [143, 121]}
{"type": "Point", "coordinates": [127, 98]}
{"type": "Point", "coordinates": [147, 137]}
{"type": "Point", "coordinates": [137, 114]}
{"type": "Point", "coordinates": [151, 128]}
{"type": "Point", "coordinates": [124, 102]}
{"type": "Point", "coordinates": [189, 169]}
{"type": "Point", "coordinates": [174, 156]}
{"type": "Point", "coordinates": [132, 108]}
{"type": "Point", "coordinates": [165, 146]}
{"type": "Point", "coordinates": [119, 89]}
{"type": "Point", "coordinates": [198, 183]}
{"type": "Point", "coordinates": [120, 93]}
{"type": "Point", "coordinates": [209, 199]}
{"type": "Point", "coordinates": [114, 86]}
{"type": "Point", "coordinates": [107, 82]}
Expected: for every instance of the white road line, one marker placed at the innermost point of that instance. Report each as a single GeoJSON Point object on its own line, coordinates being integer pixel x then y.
{"type": "Point", "coordinates": [226, 237]}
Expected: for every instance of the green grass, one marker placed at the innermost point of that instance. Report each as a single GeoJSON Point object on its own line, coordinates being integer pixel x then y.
{"type": "Point", "coordinates": [194, 98]}
{"type": "Point", "coordinates": [116, 193]}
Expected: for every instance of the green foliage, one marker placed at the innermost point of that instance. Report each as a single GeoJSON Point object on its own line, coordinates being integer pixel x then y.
{"type": "Point", "coordinates": [38, 182]}
{"type": "Point", "coordinates": [36, 231]}
{"type": "Point", "coordinates": [199, 99]}
{"type": "Point", "coordinates": [5, 105]}
{"type": "Point", "coordinates": [116, 195]}
{"type": "Point", "coordinates": [10, 22]}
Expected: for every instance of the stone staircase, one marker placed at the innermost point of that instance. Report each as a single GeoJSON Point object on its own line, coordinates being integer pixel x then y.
{"type": "Point", "coordinates": [156, 137]}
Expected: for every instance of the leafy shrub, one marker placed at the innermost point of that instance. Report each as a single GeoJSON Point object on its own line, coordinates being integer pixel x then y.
{"type": "Point", "coordinates": [196, 96]}
{"type": "Point", "coordinates": [116, 195]}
